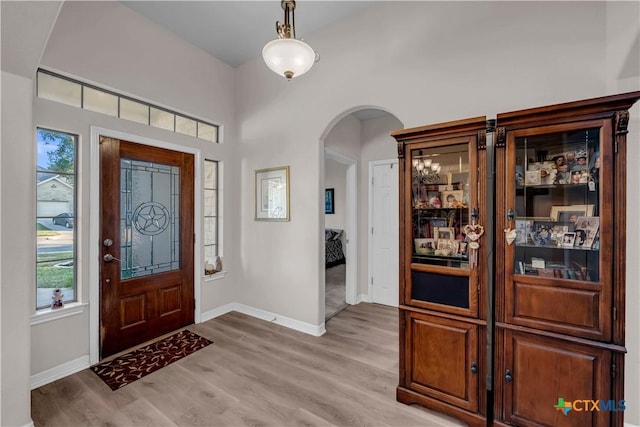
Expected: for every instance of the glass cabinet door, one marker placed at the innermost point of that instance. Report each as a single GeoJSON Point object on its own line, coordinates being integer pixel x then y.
{"type": "Point", "coordinates": [440, 194]}
{"type": "Point", "coordinates": [556, 214]}
{"type": "Point", "coordinates": [561, 217]}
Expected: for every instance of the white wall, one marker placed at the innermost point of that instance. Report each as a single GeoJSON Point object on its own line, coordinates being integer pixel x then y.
{"type": "Point", "coordinates": [17, 247]}
{"type": "Point", "coordinates": [335, 176]}
{"type": "Point", "coordinates": [494, 57]}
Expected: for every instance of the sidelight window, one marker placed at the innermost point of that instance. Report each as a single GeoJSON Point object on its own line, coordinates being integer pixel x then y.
{"type": "Point", "coordinates": [56, 221]}
{"type": "Point", "coordinates": [211, 216]}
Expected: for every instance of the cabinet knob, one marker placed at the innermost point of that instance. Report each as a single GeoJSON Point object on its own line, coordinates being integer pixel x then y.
{"type": "Point", "coordinates": [508, 376]}
{"type": "Point", "coordinates": [474, 368]}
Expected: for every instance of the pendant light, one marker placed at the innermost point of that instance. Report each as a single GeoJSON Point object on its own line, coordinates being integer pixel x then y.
{"type": "Point", "coordinates": [286, 55]}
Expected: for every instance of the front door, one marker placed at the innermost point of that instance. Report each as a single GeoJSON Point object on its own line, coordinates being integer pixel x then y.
{"type": "Point", "coordinates": [147, 238]}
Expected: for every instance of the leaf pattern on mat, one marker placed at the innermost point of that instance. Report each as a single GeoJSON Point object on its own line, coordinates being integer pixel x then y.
{"type": "Point", "coordinates": [132, 366]}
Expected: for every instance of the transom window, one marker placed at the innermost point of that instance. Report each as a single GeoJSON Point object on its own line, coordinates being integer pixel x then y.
{"type": "Point", "coordinates": [61, 89]}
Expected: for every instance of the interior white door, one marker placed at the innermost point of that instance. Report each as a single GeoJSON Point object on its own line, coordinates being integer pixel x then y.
{"type": "Point", "coordinates": [384, 237]}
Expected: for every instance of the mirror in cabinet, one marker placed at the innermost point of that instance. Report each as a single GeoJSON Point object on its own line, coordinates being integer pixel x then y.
{"type": "Point", "coordinates": [440, 194]}
{"type": "Point", "coordinates": [556, 215]}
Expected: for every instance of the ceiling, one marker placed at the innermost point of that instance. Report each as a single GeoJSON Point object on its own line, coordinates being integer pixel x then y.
{"type": "Point", "coordinates": [236, 31]}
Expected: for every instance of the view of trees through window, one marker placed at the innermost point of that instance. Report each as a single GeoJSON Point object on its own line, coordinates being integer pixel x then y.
{"type": "Point", "coordinates": [55, 216]}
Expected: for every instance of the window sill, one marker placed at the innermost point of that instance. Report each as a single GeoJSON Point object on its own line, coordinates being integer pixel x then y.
{"type": "Point", "coordinates": [215, 276]}
{"type": "Point", "coordinates": [46, 315]}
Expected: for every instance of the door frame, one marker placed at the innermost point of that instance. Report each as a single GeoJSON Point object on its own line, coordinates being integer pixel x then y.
{"type": "Point", "coordinates": [94, 226]}
{"type": "Point", "coordinates": [372, 164]}
{"type": "Point", "coordinates": [350, 228]}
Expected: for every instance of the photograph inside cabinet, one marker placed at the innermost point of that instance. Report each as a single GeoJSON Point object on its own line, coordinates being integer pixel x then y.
{"type": "Point", "coordinates": [557, 202]}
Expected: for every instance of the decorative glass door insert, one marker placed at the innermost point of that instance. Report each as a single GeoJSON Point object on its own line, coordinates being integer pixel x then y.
{"type": "Point", "coordinates": [149, 220]}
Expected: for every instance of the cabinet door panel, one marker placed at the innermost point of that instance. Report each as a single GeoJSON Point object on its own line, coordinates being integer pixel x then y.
{"type": "Point", "coordinates": [531, 306]}
{"type": "Point", "coordinates": [545, 370]}
{"type": "Point", "coordinates": [440, 355]}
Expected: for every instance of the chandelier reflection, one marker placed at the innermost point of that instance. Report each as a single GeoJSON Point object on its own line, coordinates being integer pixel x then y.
{"type": "Point", "coordinates": [426, 170]}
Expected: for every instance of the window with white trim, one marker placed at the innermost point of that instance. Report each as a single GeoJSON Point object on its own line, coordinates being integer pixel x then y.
{"type": "Point", "coordinates": [56, 223]}
{"type": "Point", "coordinates": [211, 217]}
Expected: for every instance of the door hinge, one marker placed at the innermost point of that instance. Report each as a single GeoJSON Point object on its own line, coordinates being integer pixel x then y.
{"type": "Point", "coordinates": [371, 230]}
{"type": "Point", "coordinates": [613, 370]}
{"type": "Point", "coordinates": [371, 180]}
{"type": "Point", "coordinates": [615, 147]}
{"type": "Point", "coordinates": [615, 313]}
{"type": "Point", "coordinates": [372, 280]}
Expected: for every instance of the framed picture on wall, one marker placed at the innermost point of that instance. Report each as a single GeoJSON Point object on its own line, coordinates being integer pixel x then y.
{"type": "Point", "coordinates": [328, 201]}
{"type": "Point", "coordinates": [272, 194]}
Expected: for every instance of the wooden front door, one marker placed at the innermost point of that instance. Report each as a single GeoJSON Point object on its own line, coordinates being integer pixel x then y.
{"type": "Point", "coordinates": [147, 237]}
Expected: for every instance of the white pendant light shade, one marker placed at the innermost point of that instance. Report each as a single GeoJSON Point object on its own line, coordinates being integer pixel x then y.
{"type": "Point", "coordinates": [288, 57]}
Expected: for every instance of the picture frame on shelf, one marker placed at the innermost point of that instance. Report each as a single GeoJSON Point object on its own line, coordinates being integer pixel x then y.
{"type": "Point", "coordinates": [437, 222]}
{"type": "Point", "coordinates": [433, 199]}
{"type": "Point", "coordinates": [588, 227]}
{"type": "Point", "coordinates": [570, 213]}
{"type": "Point", "coordinates": [568, 239]}
{"type": "Point", "coordinates": [555, 230]}
{"type": "Point", "coordinates": [444, 233]}
{"type": "Point", "coordinates": [547, 171]}
{"type": "Point", "coordinates": [272, 194]}
{"type": "Point", "coordinates": [523, 228]}
{"type": "Point", "coordinates": [532, 177]}
{"type": "Point", "coordinates": [448, 247]}
{"type": "Point", "coordinates": [452, 198]}
{"type": "Point", "coordinates": [424, 246]}
{"type": "Point", "coordinates": [540, 235]}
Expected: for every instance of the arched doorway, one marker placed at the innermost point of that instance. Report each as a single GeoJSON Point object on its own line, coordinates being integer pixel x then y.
{"type": "Point", "coordinates": [353, 141]}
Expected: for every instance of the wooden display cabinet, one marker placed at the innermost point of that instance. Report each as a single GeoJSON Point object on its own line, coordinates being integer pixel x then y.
{"type": "Point", "coordinates": [560, 282]}
{"type": "Point", "coordinates": [442, 291]}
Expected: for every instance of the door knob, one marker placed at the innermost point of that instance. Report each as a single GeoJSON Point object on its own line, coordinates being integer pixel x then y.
{"type": "Point", "coordinates": [107, 242]}
{"type": "Point", "coordinates": [474, 368]}
{"type": "Point", "coordinates": [109, 258]}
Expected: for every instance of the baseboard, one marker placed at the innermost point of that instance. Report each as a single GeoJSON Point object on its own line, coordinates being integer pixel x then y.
{"type": "Point", "coordinates": [216, 312]}
{"type": "Point", "coordinates": [29, 424]}
{"type": "Point", "coordinates": [307, 328]}
{"type": "Point", "coordinates": [362, 298]}
{"type": "Point", "coordinates": [630, 425]}
{"type": "Point", "coordinates": [60, 371]}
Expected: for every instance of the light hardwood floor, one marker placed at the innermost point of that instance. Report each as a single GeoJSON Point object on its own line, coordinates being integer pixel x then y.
{"type": "Point", "coordinates": [255, 374]}
{"type": "Point", "coordinates": [334, 290]}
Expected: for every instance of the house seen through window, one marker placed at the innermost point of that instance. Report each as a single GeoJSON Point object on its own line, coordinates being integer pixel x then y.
{"type": "Point", "coordinates": [55, 217]}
